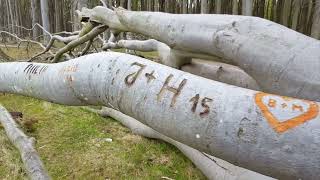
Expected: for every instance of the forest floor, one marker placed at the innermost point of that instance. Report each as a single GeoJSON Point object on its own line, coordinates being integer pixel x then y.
{"type": "Point", "coordinates": [73, 144]}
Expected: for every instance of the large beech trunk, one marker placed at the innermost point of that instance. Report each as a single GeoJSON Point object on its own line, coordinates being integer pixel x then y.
{"type": "Point", "coordinates": [281, 60]}
{"type": "Point", "coordinates": [270, 134]}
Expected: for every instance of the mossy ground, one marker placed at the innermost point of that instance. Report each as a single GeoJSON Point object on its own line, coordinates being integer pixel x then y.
{"type": "Point", "coordinates": [72, 144]}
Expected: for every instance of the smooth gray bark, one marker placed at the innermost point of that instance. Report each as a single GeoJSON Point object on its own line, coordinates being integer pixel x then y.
{"type": "Point", "coordinates": [59, 16]}
{"type": "Point", "coordinates": [218, 6]}
{"type": "Point", "coordinates": [235, 6]}
{"type": "Point", "coordinates": [211, 167]}
{"type": "Point", "coordinates": [185, 7]}
{"type": "Point", "coordinates": [229, 122]}
{"type": "Point", "coordinates": [204, 6]}
{"type": "Point", "coordinates": [281, 60]}
{"type": "Point", "coordinates": [25, 145]}
{"type": "Point", "coordinates": [221, 72]}
{"type": "Point", "coordinates": [247, 7]}
{"type": "Point", "coordinates": [212, 70]}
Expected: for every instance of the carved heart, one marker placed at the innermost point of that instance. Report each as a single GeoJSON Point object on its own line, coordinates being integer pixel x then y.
{"type": "Point", "coordinates": [284, 113]}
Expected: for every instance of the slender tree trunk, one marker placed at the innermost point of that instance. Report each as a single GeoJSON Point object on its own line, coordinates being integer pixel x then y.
{"type": "Point", "coordinates": [185, 7]}
{"type": "Point", "coordinates": [35, 17]}
{"type": "Point", "coordinates": [45, 17]}
{"type": "Point", "coordinates": [296, 12]}
{"type": "Point", "coordinates": [204, 6]}
{"type": "Point", "coordinates": [308, 24]}
{"type": "Point", "coordinates": [11, 17]}
{"type": "Point", "coordinates": [218, 6]}
{"type": "Point", "coordinates": [59, 15]}
{"type": "Point", "coordinates": [315, 31]}
{"type": "Point", "coordinates": [286, 12]}
{"type": "Point", "coordinates": [235, 7]}
{"type": "Point", "coordinates": [247, 7]}
{"type": "Point", "coordinates": [167, 5]}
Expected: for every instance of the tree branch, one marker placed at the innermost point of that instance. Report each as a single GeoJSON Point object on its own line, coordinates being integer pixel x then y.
{"type": "Point", "coordinates": [24, 144]}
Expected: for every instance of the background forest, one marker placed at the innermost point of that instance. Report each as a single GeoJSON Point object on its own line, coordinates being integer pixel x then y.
{"type": "Point", "coordinates": [59, 15]}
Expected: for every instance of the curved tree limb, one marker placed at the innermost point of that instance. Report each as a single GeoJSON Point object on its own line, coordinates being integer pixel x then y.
{"type": "Point", "coordinates": [228, 122]}
{"type": "Point", "coordinates": [25, 145]}
{"type": "Point", "coordinates": [87, 37]}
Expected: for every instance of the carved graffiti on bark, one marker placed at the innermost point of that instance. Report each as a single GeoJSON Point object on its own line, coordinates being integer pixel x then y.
{"type": "Point", "coordinates": [131, 78]}
{"type": "Point", "coordinates": [175, 91]}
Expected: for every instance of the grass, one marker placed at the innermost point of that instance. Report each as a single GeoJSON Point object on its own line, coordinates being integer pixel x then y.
{"type": "Point", "coordinates": [72, 144]}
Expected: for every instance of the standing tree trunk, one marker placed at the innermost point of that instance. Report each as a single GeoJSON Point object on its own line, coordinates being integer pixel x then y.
{"type": "Point", "coordinates": [218, 7]}
{"type": "Point", "coordinates": [235, 6]}
{"type": "Point", "coordinates": [204, 6]}
{"type": "Point", "coordinates": [167, 6]}
{"type": "Point", "coordinates": [296, 12]}
{"type": "Point", "coordinates": [315, 30]}
{"type": "Point", "coordinates": [11, 17]}
{"type": "Point", "coordinates": [185, 7]}
{"type": "Point", "coordinates": [247, 7]}
{"type": "Point", "coordinates": [59, 15]}
{"type": "Point", "coordinates": [286, 12]}
{"type": "Point", "coordinates": [45, 18]}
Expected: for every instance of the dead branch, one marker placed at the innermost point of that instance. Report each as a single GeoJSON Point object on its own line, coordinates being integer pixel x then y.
{"type": "Point", "coordinates": [24, 41]}
{"type": "Point", "coordinates": [25, 145]}
{"type": "Point", "coordinates": [89, 36]}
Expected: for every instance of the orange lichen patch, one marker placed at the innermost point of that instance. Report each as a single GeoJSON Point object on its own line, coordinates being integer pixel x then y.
{"type": "Point", "coordinates": [303, 115]}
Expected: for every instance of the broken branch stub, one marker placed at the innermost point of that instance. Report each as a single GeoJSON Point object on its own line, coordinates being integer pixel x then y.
{"type": "Point", "coordinates": [270, 134]}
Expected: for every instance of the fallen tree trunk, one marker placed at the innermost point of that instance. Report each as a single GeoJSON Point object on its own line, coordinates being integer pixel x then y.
{"type": "Point", "coordinates": [29, 156]}
{"type": "Point", "coordinates": [261, 132]}
{"type": "Point", "coordinates": [212, 70]}
{"type": "Point", "coordinates": [211, 167]}
{"type": "Point", "coordinates": [281, 60]}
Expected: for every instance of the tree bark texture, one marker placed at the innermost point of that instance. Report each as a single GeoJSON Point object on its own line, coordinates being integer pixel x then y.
{"type": "Point", "coordinates": [270, 134]}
